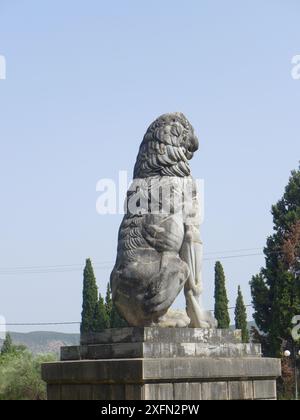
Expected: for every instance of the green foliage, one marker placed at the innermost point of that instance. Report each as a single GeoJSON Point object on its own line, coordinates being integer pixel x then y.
{"type": "Point", "coordinates": [101, 317]}
{"type": "Point", "coordinates": [106, 314]}
{"type": "Point", "coordinates": [221, 300]}
{"type": "Point", "coordinates": [97, 315]}
{"type": "Point", "coordinates": [286, 383]}
{"type": "Point", "coordinates": [89, 298]}
{"type": "Point", "coordinates": [116, 321]}
{"type": "Point", "coordinates": [275, 290]}
{"type": "Point", "coordinates": [20, 375]}
{"type": "Point", "coordinates": [108, 301]}
{"type": "Point", "coordinates": [7, 346]}
{"type": "Point", "coordinates": [241, 317]}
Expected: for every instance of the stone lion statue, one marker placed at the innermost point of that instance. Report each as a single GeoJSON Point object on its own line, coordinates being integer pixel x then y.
{"type": "Point", "coordinates": [159, 246]}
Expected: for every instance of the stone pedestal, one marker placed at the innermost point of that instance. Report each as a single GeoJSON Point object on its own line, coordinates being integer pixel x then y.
{"type": "Point", "coordinates": [162, 364]}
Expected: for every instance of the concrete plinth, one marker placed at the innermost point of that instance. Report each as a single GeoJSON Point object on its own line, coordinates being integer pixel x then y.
{"type": "Point", "coordinates": [162, 364]}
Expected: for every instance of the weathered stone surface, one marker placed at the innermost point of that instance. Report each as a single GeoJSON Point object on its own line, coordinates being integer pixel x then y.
{"type": "Point", "coordinates": [74, 352]}
{"type": "Point", "coordinates": [158, 392]}
{"type": "Point", "coordinates": [204, 368]}
{"type": "Point", "coordinates": [241, 390]}
{"type": "Point", "coordinates": [54, 392]}
{"type": "Point", "coordinates": [134, 392]}
{"type": "Point", "coordinates": [109, 392]}
{"type": "Point", "coordinates": [184, 391]}
{"type": "Point", "coordinates": [72, 392]}
{"type": "Point", "coordinates": [162, 335]}
{"type": "Point", "coordinates": [159, 246]}
{"type": "Point", "coordinates": [213, 391]}
{"type": "Point", "coordinates": [143, 370]}
{"type": "Point", "coordinates": [93, 372]}
{"type": "Point", "coordinates": [158, 350]}
{"type": "Point", "coordinates": [264, 389]}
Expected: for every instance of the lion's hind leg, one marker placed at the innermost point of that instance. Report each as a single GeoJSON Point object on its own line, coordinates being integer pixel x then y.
{"type": "Point", "coordinates": [165, 286]}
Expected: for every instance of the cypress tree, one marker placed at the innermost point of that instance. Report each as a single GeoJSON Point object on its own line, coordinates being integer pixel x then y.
{"type": "Point", "coordinates": [101, 318]}
{"type": "Point", "coordinates": [241, 317]}
{"type": "Point", "coordinates": [116, 321]}
{"type": "Point", "coordinates": [108, 301]}
{"type": "Point", "coordinates": [275, 290]}
{"type": "Point", "coordinates": [90, 298]}
{"type": "Point", "coordinates": [7, 346]}
{"type": "Point", "coordinates": [221, 300]}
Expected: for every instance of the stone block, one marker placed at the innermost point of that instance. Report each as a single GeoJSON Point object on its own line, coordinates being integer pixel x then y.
{"type": "Point", "coordinates": [134, 392]}
{"type": "Point", "coordinates": [93, 371]}
{"type": "Point", "coordinates": [264, 390]}
{"type": "Point", "coordinates": [158, 392]}
{"type": "Point", "coordinates": [187, 391]}
{"type": "Point", "coordinates": [158, 350]}
{"type": "Point", "coordinates": [162, 335]}
{"type": "Point", "coordinates": [177, 369]}
{"type": "Point", "coordinates": [54, 392]}
{"type": "Point", "coordinates": [212, 391]}
{"type": "Point", "coordinates": [240, 390]}
{"type": "Point", "coordinates": [74, 353]}
{"type": "Point", "coordinates": [108, 392]}
{"type": "Point", "coordinates": [210, 368]}
{"type": "Point", "coordinates": [70, 392]}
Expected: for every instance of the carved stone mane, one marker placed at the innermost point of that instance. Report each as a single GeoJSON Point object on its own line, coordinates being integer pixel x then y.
{"type": "Point", "coordinates": [159, 253]}
{"type": "Point", "coordinates": [167, 147]}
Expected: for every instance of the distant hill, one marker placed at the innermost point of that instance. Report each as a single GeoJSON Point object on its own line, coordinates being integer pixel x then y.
{"type": "Point", "coordinates": [44, 341]}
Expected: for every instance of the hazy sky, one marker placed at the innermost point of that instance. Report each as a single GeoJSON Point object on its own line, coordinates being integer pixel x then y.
{"type": "Point", "coordinates": [84, 80]}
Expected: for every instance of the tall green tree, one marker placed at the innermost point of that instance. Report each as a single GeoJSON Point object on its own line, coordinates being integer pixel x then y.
{"type": "Point", "coordinates": [221, 300]}
{"type": "Point", "coordinates": [89, 298]}
{"type": "Point", "coordinates": [116, 321]}
{"type": "Point", "coordinates": [108, 301]}
{"type": "Point", "coordinates": [276, 290]}
{"type": "Point", "coordinates": [101, 317]}
{"type": "Point", "coordinates": [7, 346]}
{"type": "Point", "coordinates": [241, 316]}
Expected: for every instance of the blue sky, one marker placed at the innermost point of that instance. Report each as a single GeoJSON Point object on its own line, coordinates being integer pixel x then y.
{"type": "Point", "coordinates": [85, 79]}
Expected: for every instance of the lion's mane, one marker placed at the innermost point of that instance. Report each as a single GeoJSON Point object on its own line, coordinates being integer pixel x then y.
{"type": "Point", "coordinates": [167, 147]}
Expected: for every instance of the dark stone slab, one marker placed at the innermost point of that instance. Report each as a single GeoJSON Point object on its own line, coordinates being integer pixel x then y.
{"type": "Point", "coordinates": [93, 372]}
{"type": "Point", "coordinates": [143, 370]}
{"type": "Point", "coordinates": [158, 350]}
{"type": "Point", "coordinates": [164, 335]}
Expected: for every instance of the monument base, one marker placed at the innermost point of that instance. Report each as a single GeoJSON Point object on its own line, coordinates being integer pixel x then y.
{"type": "Point", "coordinates": [162, 364]}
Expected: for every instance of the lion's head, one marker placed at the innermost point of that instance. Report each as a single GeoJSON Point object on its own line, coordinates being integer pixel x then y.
{"type": "Point", "coordinates": [168, 145]}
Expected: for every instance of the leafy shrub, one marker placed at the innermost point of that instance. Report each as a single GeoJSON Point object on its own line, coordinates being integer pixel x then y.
{"type": "Point", "coordinates": [20, 375]}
